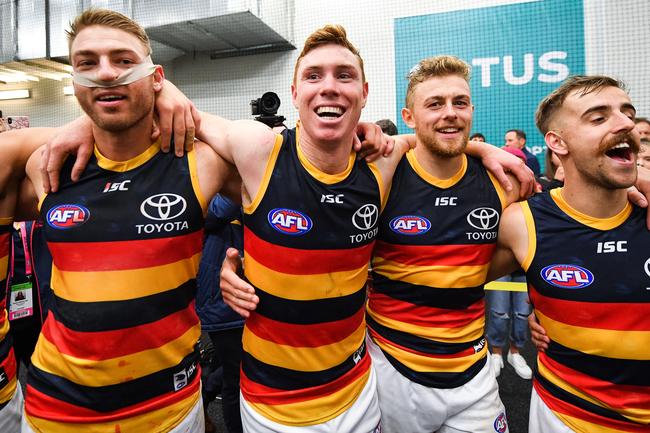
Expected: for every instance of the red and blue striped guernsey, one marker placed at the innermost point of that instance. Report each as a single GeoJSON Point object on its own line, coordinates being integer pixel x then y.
{"type": "Point", "coordinates": [589, 281]}
{"type": "Point", "coordinates": [426, 309]}
{"type": "Point", "coordinates": [118, 351]}
{"type": "Point", "coordinates": [307, 241]}
{"type": "Point", "coordinates": [8, 379]}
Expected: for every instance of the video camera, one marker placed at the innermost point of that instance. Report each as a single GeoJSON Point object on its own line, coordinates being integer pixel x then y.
{"type": "Point", "coordinates": [265, 108]}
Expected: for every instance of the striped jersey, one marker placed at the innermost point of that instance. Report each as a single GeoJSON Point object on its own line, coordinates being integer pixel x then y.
{"type": "Point", "coordinates": [8, 379]}
{"type": "Point", "coordinates": [117, 353]}
{"type": "Point", "coordinates": [308, 237]}
{"type": "Point", "coordinates": [589, 281]}
{"type": "Point", "coordinates": [426, 310]}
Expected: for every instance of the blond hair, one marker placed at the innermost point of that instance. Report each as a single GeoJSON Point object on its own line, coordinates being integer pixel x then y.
{"type": "Point", "coordinates": [330, 34]}
{"type": "Point", "coordinates": [107, 18]}
{"type": "Point", "coordinates": [437, 66]}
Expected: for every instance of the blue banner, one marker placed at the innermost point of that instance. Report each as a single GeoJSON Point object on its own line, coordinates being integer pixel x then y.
{"type": "Point", "coordinates": [519, 53]}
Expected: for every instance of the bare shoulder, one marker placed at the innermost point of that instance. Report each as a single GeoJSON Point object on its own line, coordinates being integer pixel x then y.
{"type": "Point", "coordinates": [513, 230]}
{"type": "Point", "coordinates": [212, 170]}
{"type": "Point", "coordinates": [33, 170]}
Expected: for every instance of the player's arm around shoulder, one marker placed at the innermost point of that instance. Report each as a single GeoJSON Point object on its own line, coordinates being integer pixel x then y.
{"type": "Point", "coordinates": [386, 164]}
{"type": "Point", "coordinates": [32, 190]}
{"type": "Point", "coordinates": [512, 243]}
{"type": "Point", "coordinates": [15, 149]}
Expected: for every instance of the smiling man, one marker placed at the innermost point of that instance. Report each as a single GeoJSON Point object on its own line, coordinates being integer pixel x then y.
{"type": "Point", "coordinates": [584, 248]}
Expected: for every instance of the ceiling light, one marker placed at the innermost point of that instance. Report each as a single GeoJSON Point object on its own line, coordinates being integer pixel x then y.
{"type": "Point", "coordinates": [14, 94]}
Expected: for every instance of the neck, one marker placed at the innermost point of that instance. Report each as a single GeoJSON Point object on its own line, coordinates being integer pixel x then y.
{"type": "Point", "coordinates": [328, 157]}
{"type": "Point", "coordinates": [438, 166]}
{"type": "Point", "coordinates": [126, 144]}
{"type": "Point", "coordinates": [593, 200]}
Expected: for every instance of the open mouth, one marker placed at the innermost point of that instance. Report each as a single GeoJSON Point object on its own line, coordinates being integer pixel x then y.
{"type": "Point", "coordinates": [329, 112]}
{"type": "Point", "coordinates": [621, 152]}
{"type": "Point", "coordinates": [110, 98]}
{"type": "Point", "coordinates": [448, 130]}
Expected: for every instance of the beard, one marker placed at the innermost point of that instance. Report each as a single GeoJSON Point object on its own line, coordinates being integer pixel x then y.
{"type": "Point", "coordinates": [623, 137]}
{"type": "Point", "coordinates": [446, 148]}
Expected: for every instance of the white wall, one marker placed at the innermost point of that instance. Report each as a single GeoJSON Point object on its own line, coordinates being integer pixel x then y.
{"type": "Point", "coordinates": [616, 43]}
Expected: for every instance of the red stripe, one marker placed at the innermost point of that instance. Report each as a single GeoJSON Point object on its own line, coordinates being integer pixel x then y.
{"type": "Point", "coordinates": [565, 408]}
{"type": "Point", "coordinates": [594, 315]}
{"type": "Point", "coordinates": [425, 316]}
{"type": "Point", "coordinates": [462, 354]}
{"type": "Point", "coordinates": [9, 364]}
{"type": "Point", "coordinates": [315, 335]}
{"type": "Point", "coordinates": [98, 346]}
{"type": "Point", "coordinates": [305, 262]}
{"type": "Point", "coordinates": [40, 405]}
{"type": "Point", "coordinates": [613, 395]}
{"type": "Point", "coordinates": [258, 393]}
{"type": "Point", "coordinates": [436, 255]}
{"type": "Point", "coordinates": [122, 255]}
{"type": "Point", "coordinates": [4, 244]}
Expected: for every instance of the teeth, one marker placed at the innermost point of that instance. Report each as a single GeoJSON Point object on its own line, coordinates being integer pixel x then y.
{"type": "Point", "coordinates": [449, 130]}
{"type": "Point", "coordinates": [329, 110]}
{"type": "Point", "coordinates": [621, 146]}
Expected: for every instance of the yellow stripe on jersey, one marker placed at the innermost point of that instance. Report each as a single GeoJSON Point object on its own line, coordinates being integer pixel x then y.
{"type": "Point", "coordinates": [89, 372]}
{"type": "Point", "coordinates": [580, 425]}
{"type": "Point", "coordinates": [268, 171]}
{"type": "Point", "coordinates": [123, 285]}
{"type": "Point", "coordinates": [383, 190]}
{"type": "Point", "coordinates": [463, 334]}
{"type": "Point", "coordinates": [532, 234]}
{"type": "Point", "coordinates": [499, 189]}
{"type": "Point", "coordinates": [444, 277]}
{"type": "Point", "coordinates": [4, 329]}
{"type": "Point", "coordinates": [302, 287]}
{"type": "Point", "coordinates": [597, 341]}
{"type": "Point", "coordinates": [303, 358]}
{"type": "Point", "coordinates": [5, 221]}
{"type": "Point", "coordinates": [163, 419]}
{"type": "Point", "coordinates": [7, 392]}
{"type": "Point", "coordinates": [317, 174]}
{"type": "Point", "coordinates": [4, 263]}
{"type": "Point", "coordinates": [440, 183]}
{"type": "Point", "coordinates": [130, 164]}
{"type": "Point", "coordinates": [313, 409]}
{"type": "Point", "coordinates": [431, 364]}
{"type": "Point", "coordinates": [596, 223]}
{"type": "Point", "coordinates": [194, 178]}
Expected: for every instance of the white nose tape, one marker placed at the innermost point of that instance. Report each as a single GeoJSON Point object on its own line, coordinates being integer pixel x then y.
{"type": "Point", "coordinates": [139, 71]}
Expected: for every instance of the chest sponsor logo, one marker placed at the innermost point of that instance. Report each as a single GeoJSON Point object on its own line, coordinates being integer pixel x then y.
{"type": "Point", "coordinates": [567, 276]}
{"type": "Point", "coordinates": [366, 217]}
{"type": "Point", "coordinates": [501, 423]}
{"type": "Point", "coordinates": [646, 267]}
{"type": "Point", "coordinates": [483, 218]}
{"type": "Point", "coordinates": [289, 221]}
{"type": "Point", "coordinates": [163, 207]}
{"type": "Point", "coordinates": [67, 216]}
{"type": "Point", "coordinates": [117, 186]}
{"type": "Point", "coordinates": [410, 225]}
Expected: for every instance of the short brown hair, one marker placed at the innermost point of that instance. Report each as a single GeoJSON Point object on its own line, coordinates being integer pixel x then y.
{"type": "Point", "coordinates": [583, 84]}
{"type": "Point", "coordinates": [107, 18]}
{"type": "Point", "coordinates": [333, 34]}
{"type": "Point", "coordinates": [437, 66]}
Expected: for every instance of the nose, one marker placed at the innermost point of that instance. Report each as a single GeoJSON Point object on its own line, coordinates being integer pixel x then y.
{"type": "Point", "coordinates": [106, 71]}
{"type": "Point", "coordinates": [623, 123]}
{"type": "Point", "coordinates": [329, 85]}
{"type": "Point", "coordinates": [449, 111]}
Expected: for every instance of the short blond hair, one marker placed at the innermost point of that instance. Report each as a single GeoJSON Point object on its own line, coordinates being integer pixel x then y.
{"type": "Point", "coordinates": [107, 18]}
{"type": "Point", "coordinates": [583, 84]}
{"type": "Point", "coordinates": [437, 66]}
{"type": "Point", "coordinates": [333, 34]}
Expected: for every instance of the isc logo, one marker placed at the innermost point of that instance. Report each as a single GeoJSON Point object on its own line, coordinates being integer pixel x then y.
{"type": "Point", "coordinates": [567, 276]}
{"type": "Point", "coordinates": [67, 216]}
{"type": "Point", "coordinates": [410, 225]}
{"type": "Point", "coordinates": [289, 222]}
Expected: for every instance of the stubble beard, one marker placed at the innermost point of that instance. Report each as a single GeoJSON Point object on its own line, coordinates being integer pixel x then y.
{"type": "Point", "coordinates": [444, 149]}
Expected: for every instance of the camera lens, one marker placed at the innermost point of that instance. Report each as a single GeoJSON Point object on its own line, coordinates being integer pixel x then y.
{"type": "Point", "coordinates": [269, 103]}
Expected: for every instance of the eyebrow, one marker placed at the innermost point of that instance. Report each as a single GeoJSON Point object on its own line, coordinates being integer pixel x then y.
{"type": "Point", "coordinates": [625, 106]}
{"type": "Point", "coordinates": [112, 52]}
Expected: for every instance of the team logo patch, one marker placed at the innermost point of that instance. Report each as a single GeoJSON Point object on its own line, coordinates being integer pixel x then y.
{"type": "Point", "coordinates": [289, 221]}
{"type": "Point", "coordinates": [366, 217]}
{"type": "Point", "coordinates": [501, 423]}
{"type": "Point", "coordinates": [646, 267]}
{"type": "Point", "coordinates": [67, 216]}
{"type": "Point", "coordinates": [163, 207]}
{"type": "Point", "coordinates": [567, 276]}
{"type": "Point", "coordinates": [410, 225]}
{"type": "Point", "coordinates": [483, 218]}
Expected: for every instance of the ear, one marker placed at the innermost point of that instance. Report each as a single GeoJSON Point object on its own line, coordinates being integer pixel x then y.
{"type": "Point", "coordinates": [407, 117]}
{"type": "Point", "coordinates": [555, 142]}
{"type": "Point", "coordinates": [294, 96]}
{"type": "Point", "coordinates": [365, 94]}
{"type": "Point", "coordinates": [158, 78]}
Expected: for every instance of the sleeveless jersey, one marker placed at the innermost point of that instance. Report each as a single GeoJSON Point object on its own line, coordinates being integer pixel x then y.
{"type": "Point", "coordinates": [8, 379]}
{"type": "Point", "coordinates": [117, 352]}
{"type": "Point", "coordinates": [308, 237]}
{"type": "Point", "coordinates": [589, 281]}
{"type": "Point", "coordinates": [426, 310]}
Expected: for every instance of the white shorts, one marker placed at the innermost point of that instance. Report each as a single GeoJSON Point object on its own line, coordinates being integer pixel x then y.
{"type": "Point", "coordinates": [542, 419]}
{"type": "Point", "coordinates": [12, 413]}
{"type": "Point", "coordinates": [362, 417]}
{"type": "Point", "coordinates": [194, 422]}
{"type": "Point", "coordinates": [408, 407]}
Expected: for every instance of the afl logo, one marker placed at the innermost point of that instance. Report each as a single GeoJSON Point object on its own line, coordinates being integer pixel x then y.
{"type": "Point", "coordinates": [163, 207]}
{"type": "Point", "coordinates": [483, 218]}
{"type": "Point", "coordinates": [289, 222]}
{"type": "Point", "coordinates": [567, 276]}
{"type": "Point", "coordinates": [500, 423]}
{"type": "Point", "coordinates": [67, 216]}
{"type": "Point", "coordinates": [410, 225]}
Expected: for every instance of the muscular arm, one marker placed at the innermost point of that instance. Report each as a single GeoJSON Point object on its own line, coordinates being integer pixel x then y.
{"type": "Point", "coordinates": [512, 243]}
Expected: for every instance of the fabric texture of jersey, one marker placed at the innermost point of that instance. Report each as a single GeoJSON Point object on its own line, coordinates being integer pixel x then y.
{"type": "Point", "coordinates": [118, 350]}
{"type": "Point", "coordinates": [8, 379]}
{"type": "Point", "coordinates": [307, 242]}
{"type": "Point", "coordinates": [426, 309]}
{"type": "Point", "coordinates": [589, 283]}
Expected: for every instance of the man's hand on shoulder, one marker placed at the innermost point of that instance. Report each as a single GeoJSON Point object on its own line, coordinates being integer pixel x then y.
{"type": "Point", "coordinates": [177, 117]}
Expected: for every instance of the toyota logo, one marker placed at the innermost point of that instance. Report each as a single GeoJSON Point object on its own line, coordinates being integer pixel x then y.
{"type": "Point", "coordinates": [163, 207]}
{"type": "Point", "coordinates": [365, 217]}
{"type": "Point", "coordinates": [483, 218]}
{"type": "Point", "coordinates": [647, 267]}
